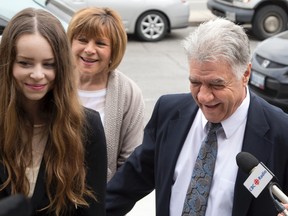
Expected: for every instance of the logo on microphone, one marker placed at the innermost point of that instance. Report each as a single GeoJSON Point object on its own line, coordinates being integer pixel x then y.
{"type": "Point", "coordinates": [258, 180]}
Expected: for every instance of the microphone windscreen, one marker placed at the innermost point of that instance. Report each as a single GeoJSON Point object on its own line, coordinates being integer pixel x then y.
{"type": "Point", "coordinates": [246, 161]}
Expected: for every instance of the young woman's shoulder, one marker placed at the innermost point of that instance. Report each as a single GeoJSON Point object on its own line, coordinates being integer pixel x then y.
{"type": "Point", "coordinates": [93, 120]}
{"type": "Point", "coordinates": [90, 113]}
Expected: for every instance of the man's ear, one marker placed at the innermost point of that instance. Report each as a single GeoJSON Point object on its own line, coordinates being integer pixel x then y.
{"type": "Point", "coordinates": [246, 75]}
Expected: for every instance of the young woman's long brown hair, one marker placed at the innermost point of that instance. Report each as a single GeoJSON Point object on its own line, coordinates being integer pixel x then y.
{"type": "Point", "coordinates": [64, 153]}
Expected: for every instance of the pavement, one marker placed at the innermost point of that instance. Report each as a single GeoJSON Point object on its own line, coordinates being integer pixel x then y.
{"type": "Point", "coordinates": [199, 14]}
{"type": "Point", "coordinates": [197, 17]}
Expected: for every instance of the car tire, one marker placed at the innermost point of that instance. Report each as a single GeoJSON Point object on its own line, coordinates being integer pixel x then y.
{"type": "Point", "coordinates": [151, 26]}
{"type": "Point", "coordinates": [269, 21]}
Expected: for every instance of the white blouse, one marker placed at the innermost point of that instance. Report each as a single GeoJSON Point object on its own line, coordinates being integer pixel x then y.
{"type": "Point", "coordinates": [38, 146]}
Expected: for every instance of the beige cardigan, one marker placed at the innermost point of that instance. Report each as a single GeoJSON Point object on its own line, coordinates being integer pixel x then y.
{"type": "Point", "coordinates": [123, 120]}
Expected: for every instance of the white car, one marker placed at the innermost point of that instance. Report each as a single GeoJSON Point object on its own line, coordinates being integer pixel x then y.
{"type": "Point", "coordinates": [150, 20]}
{"type": "Point", "coordinates": [267, 18]}
{"type": "Point", "coordinates": [9, 8]}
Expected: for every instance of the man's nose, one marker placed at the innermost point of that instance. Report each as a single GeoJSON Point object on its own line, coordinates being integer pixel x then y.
{"type": "Point", "coordinates": [205, 94]}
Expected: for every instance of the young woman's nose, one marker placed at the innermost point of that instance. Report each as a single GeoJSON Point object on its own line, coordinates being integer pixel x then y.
{"type": "Point", "coordinates": [37, 73]}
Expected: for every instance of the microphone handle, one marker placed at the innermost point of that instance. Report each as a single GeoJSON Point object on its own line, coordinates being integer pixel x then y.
{"type": "Point", "coordinates": [279, 194]}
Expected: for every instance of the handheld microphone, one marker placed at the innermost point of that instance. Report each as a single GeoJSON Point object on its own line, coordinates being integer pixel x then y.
{"type": "Point", "coordinates": [250, 164]}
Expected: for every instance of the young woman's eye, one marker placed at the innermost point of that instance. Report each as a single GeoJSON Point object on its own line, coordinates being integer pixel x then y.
{"type": "Point", "coordinates": [49, 65]}
{"type": "Point", "coordinates": [23, 63]}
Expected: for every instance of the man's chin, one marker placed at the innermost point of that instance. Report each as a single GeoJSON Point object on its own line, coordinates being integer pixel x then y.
{"type": "Point", "coordinates": [212, 114]}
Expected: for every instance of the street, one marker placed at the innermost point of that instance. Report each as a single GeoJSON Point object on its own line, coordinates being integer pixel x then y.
{"type": "Point", "coordinates": [158, 68]}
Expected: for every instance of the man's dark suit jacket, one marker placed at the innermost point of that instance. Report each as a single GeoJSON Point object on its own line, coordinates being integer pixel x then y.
{"type": "Point", "coordinates": [152, 164]}
{"type": "Point", "coordinates": [96, 162]}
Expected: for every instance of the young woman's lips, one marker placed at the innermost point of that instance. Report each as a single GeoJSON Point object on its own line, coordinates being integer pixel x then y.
{"type": "Point", "coordinates": [36, 86]}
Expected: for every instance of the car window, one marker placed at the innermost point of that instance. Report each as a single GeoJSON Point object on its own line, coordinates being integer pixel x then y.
{"type": "Point", "coordinates": [8, 9]}
{"type": "Point", "coordinates": [58, 8]}
{"type": "Point", "coordinates": [3, 23]}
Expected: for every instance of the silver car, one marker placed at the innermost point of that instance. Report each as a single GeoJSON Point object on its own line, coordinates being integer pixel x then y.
{"type": "Point", "coordinates": [150, 20]}
{"type": "Point", "coordinates": [266, 17]}
{"type": "Point", "coordinates": [9, 8]}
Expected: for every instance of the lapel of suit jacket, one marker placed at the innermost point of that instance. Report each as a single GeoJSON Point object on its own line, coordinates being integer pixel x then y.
{"type": "Point", "coordinates": [255, 143]}
{"type": "Point", "coordinates": [176, 133]}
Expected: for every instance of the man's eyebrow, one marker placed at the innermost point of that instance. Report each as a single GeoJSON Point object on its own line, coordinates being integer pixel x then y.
{"type": "Point", "coordinates": [218, 81]}
{"type": "Point", "coordinates": [192, 78]}
{"type": "Point", "coordinates": [212, 81]}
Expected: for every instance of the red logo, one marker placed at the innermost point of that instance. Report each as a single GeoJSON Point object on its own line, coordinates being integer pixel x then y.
{"type": "Point", "coordinates": [256, 181]}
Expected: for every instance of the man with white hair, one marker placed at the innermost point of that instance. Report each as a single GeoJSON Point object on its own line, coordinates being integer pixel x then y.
{"type": "Point", "coordinates": [210, 183]}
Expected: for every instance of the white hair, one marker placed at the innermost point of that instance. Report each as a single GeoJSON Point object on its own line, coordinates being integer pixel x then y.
{"type": "Point", "coordinates": [219, 39]}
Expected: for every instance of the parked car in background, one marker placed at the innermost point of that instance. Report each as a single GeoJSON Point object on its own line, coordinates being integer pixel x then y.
{"type": "Point", "coordinates": [150, 20]}
{"type": "Point", "coordinates": [3, 23]}
{"type": "Point", "coordinates": [269, 77]}
{"type": "Point", "coordinates": [9, 8]}
{"type": "Point", "coordinates": [267, 17]}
